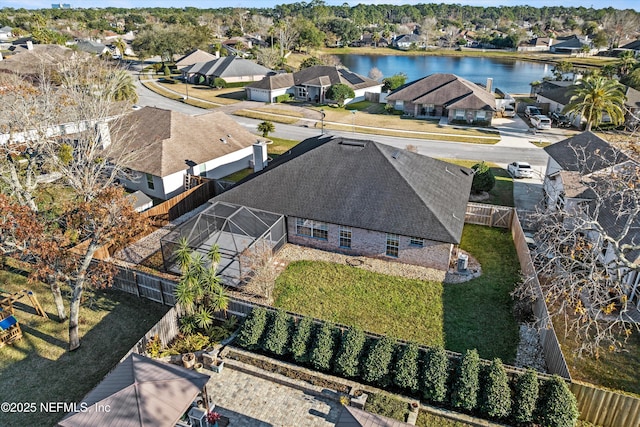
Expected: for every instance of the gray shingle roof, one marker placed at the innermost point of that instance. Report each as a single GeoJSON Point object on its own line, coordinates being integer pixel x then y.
{"type": "Point", "coordinates": [228, 66]}
{"type": "Point", "coordinates": [276, 81]}
{"type": "Point", "coordinates": [445, 89]}
{"type": "Point", "coordinates": [91, 46]}
{"type": "Point", "coordinates": [319, 75]}
{"type": "Point", "coordinates": [169, 141]}
{"type": "Point", "coordinates": [561, 95]}
{"type": "Point", "coordinates": [585, 153]}
{"type": "Point", "coordinates": [367, 185]}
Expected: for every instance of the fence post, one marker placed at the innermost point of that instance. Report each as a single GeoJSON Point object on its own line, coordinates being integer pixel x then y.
{"type": "Point", "coordinates": [135, 282]}
{"type": "Point", "coordinates": [161, 291]}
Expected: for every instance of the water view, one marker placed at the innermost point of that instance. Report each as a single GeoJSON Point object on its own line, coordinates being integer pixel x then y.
{"type": "Point", "coordinates": [509, 75]}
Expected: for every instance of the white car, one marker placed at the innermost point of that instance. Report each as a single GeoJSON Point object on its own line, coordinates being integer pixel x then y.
{"type": "Point", "coordinates": [530, 111]}
{"type": "Point", "coordinates": [540, 121]}
{"type": "Point", "coordinates": [520, 170]}
{"type": "Point", "coordinates": [508, 111]}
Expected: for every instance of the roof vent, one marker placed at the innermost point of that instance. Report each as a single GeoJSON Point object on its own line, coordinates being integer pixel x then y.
{"type": "Point", "coordinates": [224, 141]}
{"type": "Point", "coordinates": [395, 154]}
{"type": "Point", "coordinates": [349, 143]}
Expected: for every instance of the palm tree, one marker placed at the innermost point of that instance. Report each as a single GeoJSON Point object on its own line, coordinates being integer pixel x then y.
{"type": "Point", "coordinates": [627, 63]}
{"type": "Point", "coordinates": [594, 96]}
{"type": "Point", "coordinates": [265, 128]}
{"type": "Point", "coordinates": [122, 86]}
{"type": "Point", "coordinates": [121, 46]}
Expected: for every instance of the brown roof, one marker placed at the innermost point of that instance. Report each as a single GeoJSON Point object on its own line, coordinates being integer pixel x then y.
{"type": "Point", "coordinates": [170, 142]}
{"type": "Point", "coordinates": [575, 185]}
{"type": "Point", "coordinates": [139, 392]}
{"type": "Point", "coordinates": [29, 61]}
{"type": "Point", "coordinates": [319, 75]}
{"type": "Point", "coordinates": [277, 81]}
{"type": "Point", "coordinates": [445, 89]}
{"type": "Point", "coordinates": [195, 57]}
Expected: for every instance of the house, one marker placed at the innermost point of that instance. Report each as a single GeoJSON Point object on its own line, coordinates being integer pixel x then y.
{"type": "Point", "coordinates": [408, 41]}
{"type": "Point", "coordinates": [537, 44]}
{"type": "Point", "coordinates": [634, 46]}
{"type": "Point", "coordinates": [558, 94]}
{"type": "Point", "coordinates": [573, 160]}
{"type": "Point", "coordinates": [195, 57]}
{"type": "Point", "coordinates": [364, 198]}
{"type": "Point", "coordinates": [6, 33]}
{"type": "Point", "coordinates": [445, 95]}
{"type": "Point", "coordinates": [577, 170]}
{"type": "Point", "coordinates": [170, 145]}
{"type": "Point", "coordinates": [230, 68]}
{"type": "Point", "coordinates": [28, 60]}
{"type": "Point", "coordinates": [91, 46]}
{"type": "Point", "coordinates": [311, 84]}
{"type": "Point", "coordinates": [571, 45]}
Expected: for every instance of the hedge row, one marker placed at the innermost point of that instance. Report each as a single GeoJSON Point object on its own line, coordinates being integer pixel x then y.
{"type": "Point", "coordinates": [467, 385]}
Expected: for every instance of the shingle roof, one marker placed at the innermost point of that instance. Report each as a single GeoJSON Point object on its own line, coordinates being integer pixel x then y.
{"type": "Point", "coordinates": [364, 184]}
{"type": "Point", "coordinates": [228, 66]}
{"type": "Point", "coordinates": [319, 75]}
{"type": "Point", "coordinates": [91, 46]}
{"type": "Point", "coordinates": [633, 98]}
{"type": "Point", "coordinates": [169, 141]}
{"type": "Point", "coordinates": [585, 153]}
{"type": "Point", "coordinates": [195, 57]}
{"type": "Point", "coordinates": [561, 95]}
{"type": "Point", "coordinates": [635, 45]}
{"type": "Point", "coordinates": [445, 89]}
{"type": "Point", "coordinates": [139, 392]}
{"type": "Point", "coordinates": [28, 61]}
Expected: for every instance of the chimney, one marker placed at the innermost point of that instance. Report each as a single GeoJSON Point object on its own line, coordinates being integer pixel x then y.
{"type": "Point", "coordinates": [489, 84]}
{"type": "Point", "coordinates": [259, 156]}
{"type": "Point", "coordinates": [29, 45]}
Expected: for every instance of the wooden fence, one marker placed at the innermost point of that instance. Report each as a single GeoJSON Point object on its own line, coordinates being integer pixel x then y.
{"type": "Point", "coordinates": [605, 407]}
{"type": "Point", "coordinates": [166, 329]}
{"type": "Point", "coordinates": [489, 215]}
{"type": "Point", "coordinates": [181, 204]}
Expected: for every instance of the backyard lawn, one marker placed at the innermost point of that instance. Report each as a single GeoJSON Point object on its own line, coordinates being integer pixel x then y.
{"type": "Point", "coordinates": [502, 192]}
{"type": "Point", "coordinates": [38, 368]}
{"type": "Point", "coordinates": [476, 314]}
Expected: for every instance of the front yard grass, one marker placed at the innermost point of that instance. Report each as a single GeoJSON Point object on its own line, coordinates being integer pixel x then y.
{"type": "Point", "coordinates": [475, 314]}
{"type": "Point", "coordinates": [280, 145]}
{"type": "Point", "coordinates": [272, 117]}
{"type": "Point", "coordinates": [502, 192]}
{"type": "Point", "coordinates": [38, 368]}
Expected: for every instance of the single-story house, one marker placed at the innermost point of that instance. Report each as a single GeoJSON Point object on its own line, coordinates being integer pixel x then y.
{"type": "Point", "coordinates": [558, 96]}
{"type": "Point", "coordinates": [407, 41]}
{"type": "Point", "coordinates": [537, 44]}
{"type": "Point", "coordinates": [571, 45]}
{"type": "Point", "coordinates": [577, 170]}
{"type": "Point", "coordinates": [170, 145]}
{"type": "Point", "coordinates": [633, 46]}
{"type": "Point", "coordinates": [26, 60]}
{"type": "Point", "coordinates": [230, 68]}
{"type": "Point", "coordinates": [195, 57]}
{"type": "Point", "coordinates": [445, 95]}
{"type": "Point", "coordinates": [91, 46]}
{"type": "Point", "coordinates": [6, 33]}
{"type": "Point", "coordinates": [364, 198]}
{"type": "Point", "coordinates": [311, 84]}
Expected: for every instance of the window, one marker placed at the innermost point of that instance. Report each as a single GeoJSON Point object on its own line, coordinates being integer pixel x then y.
{"type": "Point", "coordinates": [393, 245]}
{"type": "Point", "coordinates": [309, 228]}
{"type": "Point", "coordinates": [399, 105]}
{"type": "Point", "coordinates": [301, 92]}
{"type": "Point", "coordinates": [345, 237]}
{"type": "Point", "coordinates": [459, 114]}
{"type": "Point", "coordinates": [416, 242]}
{"type": "Point", "coordinates": [150, 181]}
{"type": "Point", "coordinates": [203, 169]}
{"type": "Point", "coordinates": [481, 115]}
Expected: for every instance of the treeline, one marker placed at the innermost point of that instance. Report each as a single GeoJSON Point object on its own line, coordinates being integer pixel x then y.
{"type": "Point", "coordinates": [464, 384]}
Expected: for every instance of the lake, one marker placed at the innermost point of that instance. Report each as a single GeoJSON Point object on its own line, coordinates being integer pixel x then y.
{"type": "Point", "coordinates": [509, 75]}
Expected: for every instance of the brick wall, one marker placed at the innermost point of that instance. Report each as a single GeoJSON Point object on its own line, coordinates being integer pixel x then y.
{"type": "Point", "coordinates": [373, 244]}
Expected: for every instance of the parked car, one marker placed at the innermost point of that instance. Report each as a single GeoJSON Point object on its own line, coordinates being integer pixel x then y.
{"type": "Point", "coordinates": [520, 170]}
{"type": "Point", "coordinates": [508, 111]}
{"type": "Point", "coordinates": [540, 121]}
{"type": "Point", "coordinates": [531, 110]}
{"type": "Point", "coordinates": [561, 120]}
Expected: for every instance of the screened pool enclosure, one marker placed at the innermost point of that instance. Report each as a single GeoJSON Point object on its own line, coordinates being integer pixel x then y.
{"type": "Point", "coordinates": [235, 229]}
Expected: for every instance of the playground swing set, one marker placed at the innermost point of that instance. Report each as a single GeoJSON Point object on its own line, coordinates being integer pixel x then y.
{"type": "Point", "coordinates": [9, 327]}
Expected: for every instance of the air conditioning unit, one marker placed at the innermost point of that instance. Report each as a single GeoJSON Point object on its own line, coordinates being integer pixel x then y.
{"type": "Point", "coordinates": [198, 417]}
{"type": "Point", "coordinates": [463, 262]}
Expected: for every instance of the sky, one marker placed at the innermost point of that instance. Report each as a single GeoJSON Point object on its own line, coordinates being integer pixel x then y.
{"type": "Point", "coordinates": [41, 4]}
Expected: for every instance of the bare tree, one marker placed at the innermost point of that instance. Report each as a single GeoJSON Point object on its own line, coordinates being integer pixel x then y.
{"type": "Point", "coordinates": [287, 35]}
{"type": "Point", "coordinates": [427, 29]}
{"type": "Point", "coordinates": [450, 36]}
{"type": "Point", "coordinates": [619, 24]}
{"type": "Point", "coordinates": [375, 74]}
{"type": "Point", "coordinates": [588, 258]}
{"type": "Point", "coordinates": [268, 57]}
{"type": "Point", "coordinates": [259, 271]}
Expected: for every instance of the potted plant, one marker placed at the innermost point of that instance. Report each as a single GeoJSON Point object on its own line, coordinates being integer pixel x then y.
{"type": "Point", "coordinates": [189, 360]}
{"type": "Point", "coordinates": [217, 365]}
{"type": "Point", "coordinates": [213, 418]}
{"type": "Point", "coordinates": [198, 367]}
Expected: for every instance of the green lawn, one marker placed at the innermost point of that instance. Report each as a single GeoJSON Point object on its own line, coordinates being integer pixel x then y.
{"type": "Point", "coordinates": [502, 192]}
{"type": "Point", "coordinates": [280, 145]}
{"type": "Point", "coordinates": [476, 314]}
{"type": "Point", "coordinates": [38, 368]}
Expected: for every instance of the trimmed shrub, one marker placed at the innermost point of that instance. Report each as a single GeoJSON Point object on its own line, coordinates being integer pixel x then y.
{"type": "Point", "coordinates": [483, 178]}
{"type": "Point", "coordinates": [557, 406]}
{"type": "Point", "coordinates": [219, 83]}
{"type": "Point", "coordinates": [375, 368]}
{"type": "Point", "coordinates": [324, 347]}
{"type": "Point", "coordinates": [284, 98]}
{"type": "Point", "coordinates": [406, 372]}
{"type": "Point", "coordinates": [464, 392]}
{"type": "Point", "coordinates": [348, 358]}
{"type": "Point", "coordinates": [277, 334]}
{"type": "Point", "coordinates": [435, 374]}
{"type": "Point", "coordinates": [495, 400]}
{"type": "Point", "coordinates": [252, 328]}
{"type": "Point", "coordinates": [300, 340]}
{"type": "Point", "coordinates": [526, 396]}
